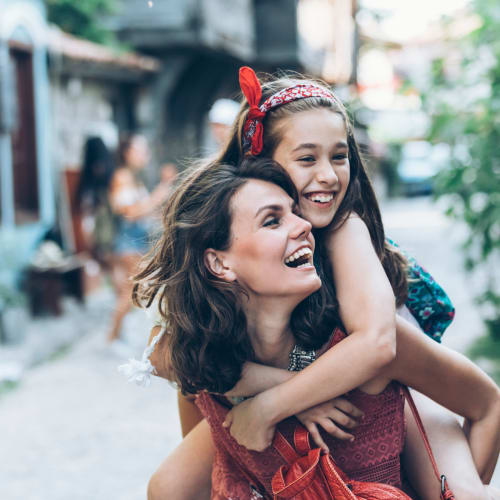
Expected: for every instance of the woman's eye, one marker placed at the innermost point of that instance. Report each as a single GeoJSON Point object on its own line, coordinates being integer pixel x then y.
{"type": "Point", "coordinates": [271, 221]}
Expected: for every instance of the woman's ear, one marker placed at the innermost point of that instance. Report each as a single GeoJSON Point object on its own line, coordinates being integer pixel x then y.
{"type": "Point", "coordinates": [215, 262]}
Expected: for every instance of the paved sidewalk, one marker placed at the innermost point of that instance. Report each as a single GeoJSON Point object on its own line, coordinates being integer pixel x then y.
{"type": "Point", "coordinates": [75, 429]}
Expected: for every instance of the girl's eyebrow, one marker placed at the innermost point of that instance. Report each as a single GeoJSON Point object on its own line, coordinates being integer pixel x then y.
{"type": "Point", "coordinates": [307, 145]}
{"type": "Point", "coordinates": [310, 145]}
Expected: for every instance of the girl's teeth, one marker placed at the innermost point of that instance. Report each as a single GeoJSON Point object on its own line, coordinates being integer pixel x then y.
{"type": "Point", "coordinates": [322, 198]}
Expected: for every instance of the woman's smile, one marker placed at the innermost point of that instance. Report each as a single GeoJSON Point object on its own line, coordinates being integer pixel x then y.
{"type": "Point", "coordinates": [271, 252]}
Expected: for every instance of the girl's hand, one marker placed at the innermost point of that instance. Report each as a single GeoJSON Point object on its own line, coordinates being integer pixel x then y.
{"type": "Point", "coordinates": [249, 426]}
{"type": "Point", "coordinates": [330, 415]}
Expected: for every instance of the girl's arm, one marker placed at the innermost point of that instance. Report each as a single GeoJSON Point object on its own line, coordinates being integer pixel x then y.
{"type": "Point", "coordinates": [257, 378]}
{"type": "Point", "coordinates": [453, 381]}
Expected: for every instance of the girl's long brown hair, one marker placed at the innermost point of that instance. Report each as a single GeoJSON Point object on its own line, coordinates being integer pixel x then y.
{"type": "Point", "coordinates": [359, 198]}
{"type": "Point", "coordinates": [207, 340]}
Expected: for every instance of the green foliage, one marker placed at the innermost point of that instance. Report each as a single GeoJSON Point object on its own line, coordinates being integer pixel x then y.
{"type": "Point", "coordinates": [464, 103]}
{"type": "Point", "coordinates": [83, 18]}
{"type": "Point", "coordinates": [486, 352]}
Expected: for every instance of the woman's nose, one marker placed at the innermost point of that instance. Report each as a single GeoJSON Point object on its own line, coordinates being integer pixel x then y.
{"type": "Point", "coordinates": [302, 227]}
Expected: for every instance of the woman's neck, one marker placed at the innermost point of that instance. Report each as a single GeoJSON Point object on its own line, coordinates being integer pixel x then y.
{"type": "Point", "coordinates": [268, 325]}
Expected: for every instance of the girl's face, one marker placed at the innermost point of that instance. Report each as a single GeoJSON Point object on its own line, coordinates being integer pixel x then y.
{"type": "Point", "coordinates": [271, 252]}
{"type": "Point", "coordinates": [314, 151]}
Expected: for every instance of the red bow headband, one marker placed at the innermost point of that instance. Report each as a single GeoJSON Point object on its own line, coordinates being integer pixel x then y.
{"type": "Point", "coordinates": [250, 86]}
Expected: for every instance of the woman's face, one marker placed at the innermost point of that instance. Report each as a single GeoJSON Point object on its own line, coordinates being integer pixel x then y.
{"type": "Point", "coordinates": [314, 152]}
{"type": "Point", "coordinates": [137, 155]}
{"type": "Point", "coordinates": [271, 252]}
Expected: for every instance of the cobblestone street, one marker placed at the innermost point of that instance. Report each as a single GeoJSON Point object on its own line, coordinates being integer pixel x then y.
{"type": "Point", "coordinates": [74, 429]}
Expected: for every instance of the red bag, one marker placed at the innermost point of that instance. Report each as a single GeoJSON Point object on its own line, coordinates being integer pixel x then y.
{"type": "Point", "coordinates": [313, 475]}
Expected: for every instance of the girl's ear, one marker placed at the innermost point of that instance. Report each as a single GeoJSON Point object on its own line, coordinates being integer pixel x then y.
{"type": "Point", "coordinates": [215, 262]}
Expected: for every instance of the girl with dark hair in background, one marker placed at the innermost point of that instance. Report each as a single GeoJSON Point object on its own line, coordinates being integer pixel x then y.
{"type": "Point", "coordinates": [92, 198]}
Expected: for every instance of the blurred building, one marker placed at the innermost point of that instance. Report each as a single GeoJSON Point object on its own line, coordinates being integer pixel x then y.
{"type": "Point", "coordinates": [27, 190]}
{"type": "Point", "coordinates": [202, 43]}
{"type": "Point", "coordinates": [395, 66]}
{"type": "Point", "coordinates": [56, 89]}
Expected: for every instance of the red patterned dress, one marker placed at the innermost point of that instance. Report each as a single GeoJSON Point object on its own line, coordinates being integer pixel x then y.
{"type": "Point", "coordinates": [374, 455]}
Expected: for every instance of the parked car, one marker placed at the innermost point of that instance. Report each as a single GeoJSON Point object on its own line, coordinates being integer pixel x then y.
{"type": "Point", "coordinates": [420, 162]}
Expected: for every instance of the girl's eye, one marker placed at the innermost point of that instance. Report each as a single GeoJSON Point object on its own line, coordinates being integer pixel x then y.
{"type": "Point", "coordinates": [340, 157]}
{"type": "Point", "coordinates": [307, 159]}
{"type": "Point", "coordinates": [271, 221]}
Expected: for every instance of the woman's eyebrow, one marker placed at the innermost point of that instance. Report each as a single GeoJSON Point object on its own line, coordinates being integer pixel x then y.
{"type": "Point", "coordinates": [274, 207]}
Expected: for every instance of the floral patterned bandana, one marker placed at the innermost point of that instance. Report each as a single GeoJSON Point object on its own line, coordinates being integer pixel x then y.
{"type": "Point", "coordinates": [250, 86]}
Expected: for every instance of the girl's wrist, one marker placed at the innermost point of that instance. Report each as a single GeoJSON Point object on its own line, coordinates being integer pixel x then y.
{"type": "Point", "coordinates": [268, 405]}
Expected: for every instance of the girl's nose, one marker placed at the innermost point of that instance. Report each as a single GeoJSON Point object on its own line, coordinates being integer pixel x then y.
{"type": "Point", "coordinates": [326, 174]}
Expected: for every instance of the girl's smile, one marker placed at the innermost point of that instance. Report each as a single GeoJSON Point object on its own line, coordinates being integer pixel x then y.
{"type": "Point", "coordinates": [313, 149]}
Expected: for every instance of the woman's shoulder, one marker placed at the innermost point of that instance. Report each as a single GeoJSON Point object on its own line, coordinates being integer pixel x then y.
{"type": "Point", "coordinates": [122, 188]}
{"type": "Point", "coordinates": [122, 175]}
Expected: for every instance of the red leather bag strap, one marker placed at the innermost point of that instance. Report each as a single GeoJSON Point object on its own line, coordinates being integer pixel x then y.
{"type": "Point", "coordinates": [446, 493]}
{"type": "Point", "coordinates": [284, 448]}
{"type": "Point", "coordinates": [301, 440]}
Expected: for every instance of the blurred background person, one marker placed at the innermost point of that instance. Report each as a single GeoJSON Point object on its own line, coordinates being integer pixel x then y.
{"type": "Point", "coordinates": [221, 117]}
{"type": "Point", "coordinates": [132, 207]}
{"type": "Point", "coordinates": [92, 197]}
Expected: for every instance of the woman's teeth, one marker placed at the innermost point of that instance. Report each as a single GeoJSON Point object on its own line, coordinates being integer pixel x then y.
{"type": "Point", "coordinates": [321, 198]}
{"type": "Point", "coordinates": [303, 253]}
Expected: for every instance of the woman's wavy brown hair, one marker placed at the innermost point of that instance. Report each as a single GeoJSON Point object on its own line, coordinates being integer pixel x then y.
{"type": "Point", "coordinates": [206, 339]}
{"type": "Point", "coordinates": [359, 198]}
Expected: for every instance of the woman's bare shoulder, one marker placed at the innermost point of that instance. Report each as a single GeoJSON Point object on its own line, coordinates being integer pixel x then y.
{"type": "Point", "coordinates": [122, 176]}
{"type": "Point", "coordinates": [160, 357]}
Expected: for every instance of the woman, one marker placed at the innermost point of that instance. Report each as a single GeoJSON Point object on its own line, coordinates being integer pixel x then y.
{"type": "Point", "coordinates": [225, 278]}
{"type": "Point", "coordinates": [132, 207]}
{"type": "Point", "coordinates": [304, 126]}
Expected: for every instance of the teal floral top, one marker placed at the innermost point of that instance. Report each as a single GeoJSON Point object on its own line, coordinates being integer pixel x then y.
{"type": "Point", "coordinates": [427, 301]}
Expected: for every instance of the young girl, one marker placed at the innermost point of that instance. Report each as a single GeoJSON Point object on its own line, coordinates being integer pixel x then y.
{"type": "Point", "coordinates": [230, 291]}
{"type": "Point", "coordinates": [302, 125]}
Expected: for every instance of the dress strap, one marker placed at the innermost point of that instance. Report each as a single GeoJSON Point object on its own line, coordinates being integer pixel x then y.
{"type": "Point", "coordinates": [140, 371]}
